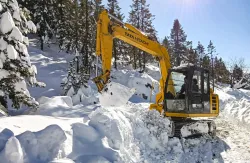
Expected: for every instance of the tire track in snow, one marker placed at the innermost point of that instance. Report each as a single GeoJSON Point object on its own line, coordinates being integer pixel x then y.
{"type": "Point", "coordinates": [238, 139]}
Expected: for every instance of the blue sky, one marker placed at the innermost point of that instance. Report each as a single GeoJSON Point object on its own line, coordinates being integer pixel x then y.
{"type": "Point", "coordinates": [225, 22]}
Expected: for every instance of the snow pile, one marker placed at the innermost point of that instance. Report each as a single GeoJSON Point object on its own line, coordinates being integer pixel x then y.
{"type": "Point", "coordinates": [54, 106]}
{"type": "Point", "coordinates": [7, 23]}
{"type": "Point", "coordinates": [204, 149]}
{"type": "Point", "coordinates": [84, 96]}
{"type": "Point", "coordinates": [153, 70]}
{"type": "Point", "coordinates": [143, 84]}
{"type": "Point", "coordinates": [115, 94]}
{"type": "Point", "coordinates": [239, 110]}
{"type": "Point", "coordinates": [235, 103]}
{"type": "Point", "coordinates": [89, 145]}
{"type": "Point", "coordinates": [12, 153]}
{"type": "Point", "coordinates": [41, 146]}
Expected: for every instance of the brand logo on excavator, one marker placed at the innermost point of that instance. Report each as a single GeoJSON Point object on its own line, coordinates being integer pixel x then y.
{"type": "Point", "coordinates": [136, 38]}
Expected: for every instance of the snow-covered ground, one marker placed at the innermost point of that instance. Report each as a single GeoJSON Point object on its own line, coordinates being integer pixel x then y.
{"type": "Point", "coordinates": [114, 128]}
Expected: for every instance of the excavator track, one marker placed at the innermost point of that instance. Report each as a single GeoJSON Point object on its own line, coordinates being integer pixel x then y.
{"type": "Point", "coordinates": [189, 128]}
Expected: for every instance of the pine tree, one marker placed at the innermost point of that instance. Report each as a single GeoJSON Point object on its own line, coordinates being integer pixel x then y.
{"type": "Point", "coordinates": [237, 73]}
{"type": "Point", "coordinates": [97, 7]}
{"type": "Point", "coordinates": [178, 42]}
{"type": "Point", "coordinates": [211, 52]}
{"type": "Point", "coordinates": [167, 45]}
{"type": "Point", "coordinates": [63, 23]}
{"type": "Point", "coordinates": [75, 79]}
{"type": "Point", "coordinates": [201, 53]}
{"type": "Point", "coordinates": [15, 66]}
{"type": "Point", "coordinates": [81, 40]}
{"type": "Point", "coordinates": [43, 15]}
{"type": "Point", "coordinates": [118, 46]}
{"type": "Point", "coordinates": [141, 17]}
{"type": "Point", "coordinates": [221, 72]}
{"type": "Point", "coordinates": [191, 55]}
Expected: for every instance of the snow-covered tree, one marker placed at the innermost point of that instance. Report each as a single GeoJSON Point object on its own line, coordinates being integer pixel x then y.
{"type": "Point", "coordinates": [75, 79]}
{"type": "Point", "coordinates": [63, 23]}
{"type": "Point", "coordinates": [43, 13]}
{"type": "Point", "coordinates": [15, 66]}
{"type": "Point", "coordinates": [82, 43]}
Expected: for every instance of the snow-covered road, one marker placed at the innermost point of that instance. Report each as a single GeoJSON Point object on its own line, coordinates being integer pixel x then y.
{"type": "Point", "coordinates": [237, 137]}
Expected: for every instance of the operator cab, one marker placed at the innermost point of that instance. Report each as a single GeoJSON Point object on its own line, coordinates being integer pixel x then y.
{"type": "Point", "coordinates": [187, 90]}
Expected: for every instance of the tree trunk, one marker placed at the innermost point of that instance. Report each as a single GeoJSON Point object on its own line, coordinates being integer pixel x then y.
{"type": "Point", "coordinates": [134, 53]}
{"type": "Point", "coordinates": [86, 37]}
{"type": "Point", "coordinates": [41, 39]}
{"type": "Point", "coordinates": [144, 61]}
{"type": "Point", "coordinates": [115, 53]}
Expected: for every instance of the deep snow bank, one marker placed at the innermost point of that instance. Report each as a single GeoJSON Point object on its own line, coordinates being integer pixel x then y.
{"type": "Point", "coordinates": [135, 134]}
{"type": "Point", "coordinates": [41, 146]}
{"type": "Point", "coordinates": [143, 84]}
{"type": "Point", "coordinates": [235, 103]}
{"type": "Point", "coordinates": [115, 95]}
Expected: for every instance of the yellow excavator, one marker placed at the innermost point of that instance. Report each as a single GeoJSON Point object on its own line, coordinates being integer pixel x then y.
{"type": "Point", "coordinates": [185, 92]}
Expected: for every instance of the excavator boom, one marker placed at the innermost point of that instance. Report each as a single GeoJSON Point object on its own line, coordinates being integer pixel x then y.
{"type": "Point", "coordinates": [107, 30]}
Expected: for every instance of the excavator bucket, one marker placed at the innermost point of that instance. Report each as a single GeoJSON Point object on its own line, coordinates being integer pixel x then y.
{"type": "Point", "coordinates": [101, 81]}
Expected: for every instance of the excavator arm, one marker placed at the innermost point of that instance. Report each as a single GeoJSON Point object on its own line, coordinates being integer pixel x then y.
{"type": "Point", "coordinates": [107, 30]}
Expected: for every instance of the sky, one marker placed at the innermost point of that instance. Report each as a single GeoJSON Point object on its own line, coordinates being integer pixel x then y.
{"type": "Point", "coordinates": [225, 22]}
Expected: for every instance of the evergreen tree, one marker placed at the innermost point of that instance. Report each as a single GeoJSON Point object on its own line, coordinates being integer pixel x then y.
{"type": "Point", "coordinates": [44, 16]}
{"type": "Point", "coordinates": [191, 55]}
{"type": "Point", "coordinates": [167, 45]}
{"type": "Point", "coordinates": [81, 40]}
{"type": "Point", "coordinates": [118, 46]}
{"type": "Point", "coordinates": [141, 17]}
{"type": "Point", "coordinates": [237, 73]}
{"type": "Point", "coordinates": [97, 7]}
{"type": "Point", "coordinates": [15, 66]}
{"type": "Point", "coordinates": [201, 53]}
{"type": "Point", "coordinates": [178, 42]}
{"type": "Point", "coordinates": [211, 52]}
{"type": "Point", "coordinates": [221, 72]}
{"type": "Point", "coordinates": [63, 22]}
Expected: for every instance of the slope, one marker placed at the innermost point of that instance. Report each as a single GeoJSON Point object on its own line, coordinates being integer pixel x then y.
{"type": "Point", "coordinates": [88, 132]}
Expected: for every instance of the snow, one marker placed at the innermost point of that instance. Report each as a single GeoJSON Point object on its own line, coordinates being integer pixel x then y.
{"type": "Point", "coordinates": [3, 44]}
{"type": "Point", "coordinates": [1, 7]}
{"type": "Point", "coordinates": [4, 1]}
{"type": "Point", "coordinates": [183, 65]}
{"type": "Point", "coordinates": [12, 153]}
{"type": "Point", "coordinates": [115, 95]}
{"type": "Point", "coordinates": [11, 52]}
{"type": "Point", "coordinates": [16, 35]}
{"type": "Point", "coordinates": [1, 63]}
{"type": "Point", "coordinates": [198, 127]}
{"type": "Point", "coordinates": [99, 129]}
{"type": "Point", "coordinates": [235, 103]}
{"type": "Point", "coordinates": [21, 86]}
{"type": "Point", "coordinates": [6, 23]}
{"type": "Point", "coordinates": [31, 26]}
{"type": "Point", "coordinates": [16, 16]}
{"type": "Point", "coordinates": [42, 146]}
{"type": "Point", "coordinates": [3, 73]}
